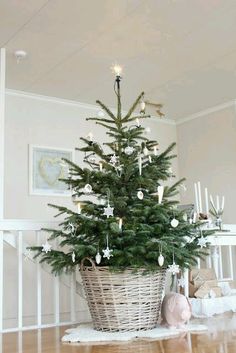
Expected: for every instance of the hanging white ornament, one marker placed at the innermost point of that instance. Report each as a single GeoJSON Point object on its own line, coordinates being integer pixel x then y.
{"type": "Point", "coordinates": [46, 247]}
{"type": "Point", "coordinates": [113, 159]}
{"type": "Point", "coordinates": [161, 260]}
{"type": "Point", "coordinates": [129, 150]}
{"type": "Point", "coordinates": [107, 253]}
{"type": "Point", "coordinates": [140, 195]}
{"type": "Point", "coordinates": [150, 159]}
{"type": "Point", "coordinates": [174, 269]}
{"type": "Point", "coordinates": [160, 191]}
{"type": "Point", "coordinates": [100, 114]}
{"type": "Point", "coordinates": [108, 211]}
{"type": "Point", "coordinates": [174, 223]}
{"type": "Point", "coordinates": [72, 228]}
{"type": "Point", "coordinates": [181, 282]}
{"type": "Point", "coordinates": [185, 217]}
{"type": "Point", "coordinates": [145, 151]}
{"type": "Point", "coordinates": [73, 257]}
{"type": "Point", "coordinates": [140, 164]}
{"type": "Point", "coordinates": [202, 242]}
{"type": "Point", "coordinates": [88, 189]}
{"type": "Point", "coordinates": [98, 258]}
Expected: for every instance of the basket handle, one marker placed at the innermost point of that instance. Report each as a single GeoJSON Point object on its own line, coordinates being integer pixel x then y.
{"type": "Point", "coordinates": [89, 260]}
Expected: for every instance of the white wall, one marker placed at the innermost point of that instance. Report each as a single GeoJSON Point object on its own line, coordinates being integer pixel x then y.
{"type": "Point", "coordinates": [56, 123]}
{"type": "Point", "coordinates": [207, 153]}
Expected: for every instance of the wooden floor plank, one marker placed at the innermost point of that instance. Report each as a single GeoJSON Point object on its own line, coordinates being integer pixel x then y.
{"type": "Point", "coordinates": [220, 339]}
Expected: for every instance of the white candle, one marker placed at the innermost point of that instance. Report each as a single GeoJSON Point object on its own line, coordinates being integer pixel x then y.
{"type": "Point", "coordinates": [90, 136]}
{"type": "Point", "coordinates": [155, 150]}
{"type": "Point", "coordinates": [199, 196]}
{"type": "Point", "coordinates": [206, 201]}
{"type": "Point", "coordinates": [78, 208]}
{"type": "Point", "coordinates": [142, 106]}
{"type": "Point", "coordinates": [140, 164]}
{"type": "Point", "coordinates": [138, 122]}
{"type": "Point", "coordinates": [196, 198]}
{"type": "Point", "coordinates": [150, 159]}
{"type": "Point", "coordinates": [194, 217]}
{"type": "Point", "coordinates": [223, 203]}
{"type": "Point", "coordinates": [100, 166]}
{"type": "Point", "coordinates": [160, 191]}
{"type": "Point", "coordinates": [120, 223]}
{"type": "Point", "coordinates": [217, 203]}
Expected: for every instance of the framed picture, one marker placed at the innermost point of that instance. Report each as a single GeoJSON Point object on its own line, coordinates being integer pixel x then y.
{"type": "Point", "coordinates": [46, 168]}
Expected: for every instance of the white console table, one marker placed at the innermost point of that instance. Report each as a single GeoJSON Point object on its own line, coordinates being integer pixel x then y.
{"type": "Point", "coordinates": [215, 258]}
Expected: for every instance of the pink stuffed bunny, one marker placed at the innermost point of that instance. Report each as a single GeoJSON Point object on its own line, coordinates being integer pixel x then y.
{"type": "Point", "coordinates": [175, 310]}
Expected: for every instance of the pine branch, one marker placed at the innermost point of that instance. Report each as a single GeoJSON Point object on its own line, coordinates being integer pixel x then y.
{"type": "Point", "coordinates": [107, 110]}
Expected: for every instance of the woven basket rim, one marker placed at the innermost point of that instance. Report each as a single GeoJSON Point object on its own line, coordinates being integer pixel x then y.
{"type": "Point", "coordinates": [94, 267]}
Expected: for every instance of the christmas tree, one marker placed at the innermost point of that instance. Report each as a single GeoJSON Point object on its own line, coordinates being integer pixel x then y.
{"type": "Point", "coordinates": [132, 219]}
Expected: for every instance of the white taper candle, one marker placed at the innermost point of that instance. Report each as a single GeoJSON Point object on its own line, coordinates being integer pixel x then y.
{"type": "Point", "coordinates": [223, 203]}
{"type": "Point", "coordinates": [206, 201]}
{"type": "Point", "coordinates": [196, 198]}
{"type": "Point", "coordinates": [217, 203]}
{"type": "Point", "coordinates": [199, 196]}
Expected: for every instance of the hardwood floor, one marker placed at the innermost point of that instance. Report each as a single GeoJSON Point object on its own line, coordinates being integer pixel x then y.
{"type": "Point", "coordinates": [221, 338]}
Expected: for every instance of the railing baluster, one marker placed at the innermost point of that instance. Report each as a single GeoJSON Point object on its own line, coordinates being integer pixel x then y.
{"type": "Point", "coordinates": [56, 300]}
{"type": "Point", "coordinates": [20, 280]}
{"type": "Point", "coordinates": [72, 297]}
{"type": "Point", "coordinates": [1, 281]}
{"type": "Point", "coordinates": [231, 267]}
{"type": "Point", "coordinates": [39, 284]}
{"type": "Point", "coordinates": [220, 262]}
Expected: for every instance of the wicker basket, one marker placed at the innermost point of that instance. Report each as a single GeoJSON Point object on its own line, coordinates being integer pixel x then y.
{"type": "Point", "coordinates": [124, 301]}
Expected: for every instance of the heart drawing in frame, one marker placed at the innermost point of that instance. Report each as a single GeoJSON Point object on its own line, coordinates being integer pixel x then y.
{"type": "Point", "coordinates": [51, 170]}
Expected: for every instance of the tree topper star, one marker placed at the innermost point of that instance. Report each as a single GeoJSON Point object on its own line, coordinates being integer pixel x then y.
{"type": "Point", "coordinates": [174, 269]}
{"type": "Point", "coordinates": [107, 252]}
{"type": "Point", "coordinates": [108, 211]}
{"type": "Point", "coordinates": [47, 247]}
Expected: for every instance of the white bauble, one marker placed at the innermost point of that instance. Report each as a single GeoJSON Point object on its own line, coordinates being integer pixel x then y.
{"type": "Point", "coordinates": [129, 150]}
{"type": "Point", "coordinates": [174, 223]}
{"type": "Point", "coordinates": [98, 258]}
{"type": "Point", "coordinates": [161, 260]}
{"type": "Point", "coordinates": [145, 151]}
{"type": "Point", "coordinates": [140, 195]}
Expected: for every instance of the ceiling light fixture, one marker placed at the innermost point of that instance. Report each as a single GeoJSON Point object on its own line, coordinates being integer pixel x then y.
{"type": "Point", "coordinates": [20, 55]}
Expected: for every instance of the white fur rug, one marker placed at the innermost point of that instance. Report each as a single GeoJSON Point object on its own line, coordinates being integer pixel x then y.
{"type": "Point", "coordinates": [86, 333]}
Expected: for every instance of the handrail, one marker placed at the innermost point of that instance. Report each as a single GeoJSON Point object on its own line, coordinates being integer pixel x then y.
{"type": "Point", "coordinates": [26, 224]}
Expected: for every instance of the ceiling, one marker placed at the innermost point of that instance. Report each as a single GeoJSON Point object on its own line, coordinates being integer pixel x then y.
{"type": "Point", "coordinates": [180, 52]}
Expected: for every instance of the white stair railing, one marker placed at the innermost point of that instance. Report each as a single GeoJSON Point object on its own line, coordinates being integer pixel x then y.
{"type": "Point", "coordinates": [12, 232]}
